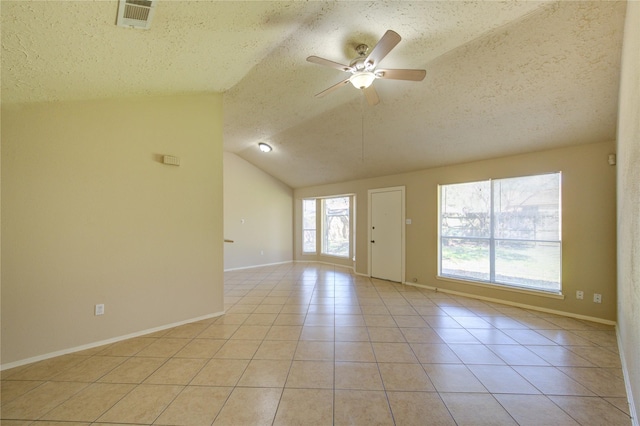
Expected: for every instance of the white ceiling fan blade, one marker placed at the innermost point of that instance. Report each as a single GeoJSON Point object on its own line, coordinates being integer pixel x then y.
{"type": "Point", "coordinates": [371, 95]}
{"type": "Point", "coordinates": [332, 88]}
{"type": "Point", "coordinates": [328, 63]}
{"type": "Point", "coordinates": [388, 41]}
{"type": "Point", "coordinates": [412, 75]}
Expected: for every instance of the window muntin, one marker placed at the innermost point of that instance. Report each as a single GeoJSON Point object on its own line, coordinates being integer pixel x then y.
{"type": "Point", "coordinates": [335, 226]}
{"type": "Point", "coordinates": [503, 231]}
{"type": "Point", "coordinates": [309, 226]}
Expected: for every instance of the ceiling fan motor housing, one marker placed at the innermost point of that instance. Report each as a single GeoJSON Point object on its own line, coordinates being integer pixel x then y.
{"type": "Point", "coordinates": [362, 49]}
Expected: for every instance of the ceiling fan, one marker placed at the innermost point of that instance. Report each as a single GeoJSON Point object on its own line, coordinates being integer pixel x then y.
{"type": "Point", "coordinates": [364, 69]}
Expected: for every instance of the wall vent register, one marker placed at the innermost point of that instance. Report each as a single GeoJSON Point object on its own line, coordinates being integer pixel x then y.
{"type": "Point", "coordinates": [135, 13]}
{"type": "Point", "coordinates": [170, 160]}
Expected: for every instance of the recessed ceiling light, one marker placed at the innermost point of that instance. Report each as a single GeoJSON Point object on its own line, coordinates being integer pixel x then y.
{"type": "Point", "coordinates": [264, 147]}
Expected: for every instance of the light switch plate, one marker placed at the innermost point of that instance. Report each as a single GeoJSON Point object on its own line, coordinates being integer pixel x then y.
{"type": "Point", "coordinates": [99, 309]}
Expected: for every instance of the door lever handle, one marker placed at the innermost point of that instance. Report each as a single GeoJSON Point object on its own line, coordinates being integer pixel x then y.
{"type": "Point", "coordinates": [373, 241]}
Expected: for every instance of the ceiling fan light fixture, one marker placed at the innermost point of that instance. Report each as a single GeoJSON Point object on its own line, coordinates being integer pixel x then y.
{"type": "Point", "coordinates": [264, 147]}
{"type": "Point", "coordinates": [363, 69]}
{"type": "Point", "coordinates": [362, 79]}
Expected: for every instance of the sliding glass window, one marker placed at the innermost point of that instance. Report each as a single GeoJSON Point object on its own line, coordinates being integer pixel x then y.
{"type": "Point", "coordinates": [503, 231]}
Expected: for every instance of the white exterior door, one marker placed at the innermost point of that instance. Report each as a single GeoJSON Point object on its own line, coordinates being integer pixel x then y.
{"type": "Point", "coordinates": [386, 232]}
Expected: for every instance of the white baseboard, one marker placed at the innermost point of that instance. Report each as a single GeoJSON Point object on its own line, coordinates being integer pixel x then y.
{"type": "Point", "coordinates": [516, 304]}
{"type": "Point", "coordinates": [327, 263]}
{"type": "Point", "coordinates": [295, 261]}
{"type": "Point", "coordinates": [103, 342]}
{"type": "Point", "coordinates": [627, 383]}
{"type": "Point", "coordinates": [240, 268]}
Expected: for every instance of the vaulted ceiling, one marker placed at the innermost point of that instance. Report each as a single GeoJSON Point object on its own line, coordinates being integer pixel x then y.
{"type": "Point", "coordinates": [502, 77]}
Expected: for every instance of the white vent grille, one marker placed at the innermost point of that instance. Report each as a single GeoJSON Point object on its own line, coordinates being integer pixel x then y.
{"type": "Point", "coordinates": [171, 160]}
{"type": "Point", "coordinates": [136, 13]}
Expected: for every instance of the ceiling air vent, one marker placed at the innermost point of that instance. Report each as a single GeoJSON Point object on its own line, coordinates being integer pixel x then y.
{"type": "Point", "coordinates": [136, 13]}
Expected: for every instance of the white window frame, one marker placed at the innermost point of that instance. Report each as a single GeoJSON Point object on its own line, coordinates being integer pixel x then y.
{"type": "Point", "coordinates": [315, 227]}
{"type": "Point", "coordinates": [323, 227]}
{"type": "Point", "coordinates": [492, 239]}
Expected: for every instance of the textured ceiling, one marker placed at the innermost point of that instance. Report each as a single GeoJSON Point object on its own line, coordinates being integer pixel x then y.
{"type": "Point", "coordinates": [502, 77]}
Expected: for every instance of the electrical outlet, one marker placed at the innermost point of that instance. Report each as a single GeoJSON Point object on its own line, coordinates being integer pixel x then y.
{"type": "Point", "coordinates": [597, 298]}
{"type": "Point", "coordinates": [262, 252]}
{"type": "Point", "coordinates": [99, 309]}
{"type": "Point", "coordinates": [580, 294]}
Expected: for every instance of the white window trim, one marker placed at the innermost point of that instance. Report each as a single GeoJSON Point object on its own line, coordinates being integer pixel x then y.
{"type": "Point", "coordinates": [323, 225]}
{"type": "Point", "coordinates": [557, 294]}
{"type": "Point", "coordinates": [315, 250]}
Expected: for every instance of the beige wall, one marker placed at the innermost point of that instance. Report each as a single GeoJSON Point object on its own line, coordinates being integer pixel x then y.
{"type": "Point", "coordinates": [90, 215]}
{"type": "Point", "coordinates": [629, 206]}
{"type": "Point", "coordinates": [589, 229]}
{"type": "Point", "coordinates": [258, 212]}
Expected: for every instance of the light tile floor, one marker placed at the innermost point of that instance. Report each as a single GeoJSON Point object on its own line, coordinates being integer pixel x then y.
{"type": "Point", "coordinates": [310, 344]}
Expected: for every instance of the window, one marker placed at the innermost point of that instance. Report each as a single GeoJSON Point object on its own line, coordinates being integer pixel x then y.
{"type": "Point", "coordinates": [335, 226]}
{"type": "Point", "coordinates": [503, 231]}
{"type": "Point", "coordinates": [309, 226]}
{"type": "Point", "coordinates": [326, 225]}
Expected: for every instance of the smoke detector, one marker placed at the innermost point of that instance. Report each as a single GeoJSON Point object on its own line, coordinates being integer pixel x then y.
{"type": "Point", "coordinates": [136, 13]}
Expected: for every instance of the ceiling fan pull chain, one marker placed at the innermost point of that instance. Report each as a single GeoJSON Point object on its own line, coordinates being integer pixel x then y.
{"type": "Point", "coordinates": [362, 125]}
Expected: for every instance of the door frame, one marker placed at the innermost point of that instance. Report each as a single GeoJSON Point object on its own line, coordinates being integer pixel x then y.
{"type": "Point", "coordinates": [402, 190]}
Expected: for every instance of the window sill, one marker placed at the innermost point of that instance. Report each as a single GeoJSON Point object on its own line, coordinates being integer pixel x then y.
{"type": "Point", "coordinates": [503, 287]}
